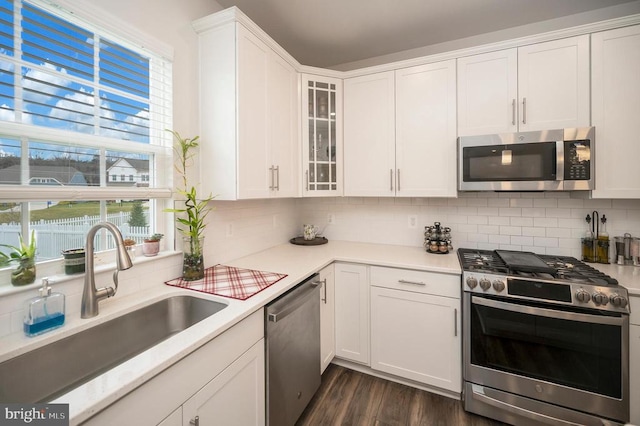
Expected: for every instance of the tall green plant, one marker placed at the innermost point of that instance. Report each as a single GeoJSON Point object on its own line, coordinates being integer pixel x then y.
{"type": "Point", "coordinates": [191, 218]}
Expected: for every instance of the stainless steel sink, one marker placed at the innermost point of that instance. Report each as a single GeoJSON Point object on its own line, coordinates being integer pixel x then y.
{"type": "Point", "coordinates": [52, 370]}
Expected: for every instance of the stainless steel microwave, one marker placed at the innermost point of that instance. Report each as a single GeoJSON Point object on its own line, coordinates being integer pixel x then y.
{"type": "Point", "coordinates": [550, 160]}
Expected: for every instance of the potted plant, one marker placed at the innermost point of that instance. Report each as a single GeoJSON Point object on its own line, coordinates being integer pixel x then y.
{"type": "Point", "coordinates": [151, 245]}
{"type": "Point", "coordinates": [191, 218]}
{"type": "Point", "coordinates": [24, 256]}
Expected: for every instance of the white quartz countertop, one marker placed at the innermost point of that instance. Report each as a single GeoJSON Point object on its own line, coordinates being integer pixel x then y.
{"type": "Point", "coordinates": [297, 262]}
{"type": "Point", "coordinates": [628, 276]}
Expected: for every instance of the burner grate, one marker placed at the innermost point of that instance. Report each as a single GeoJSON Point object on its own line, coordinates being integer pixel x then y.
{"type": "Point", "coordinates": [481, 260]}
{"type": "Point", "coordinates": [572, 269]}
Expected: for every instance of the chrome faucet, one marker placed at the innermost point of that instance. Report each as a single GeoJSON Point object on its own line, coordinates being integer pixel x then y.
{"type": "Point", "coordinates": [90, 295]}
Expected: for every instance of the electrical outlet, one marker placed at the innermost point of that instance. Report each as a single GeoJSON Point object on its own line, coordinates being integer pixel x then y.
{"type": "Point", "coordinates": [331, 219]}
{"type": "Point", "coordinates": [413, 221]}
{"type": "Point", "coordinates": [229, 229]}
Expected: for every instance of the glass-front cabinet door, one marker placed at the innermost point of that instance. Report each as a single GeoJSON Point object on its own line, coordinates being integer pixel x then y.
{"type": "Point", "coordinates": [321, 135]}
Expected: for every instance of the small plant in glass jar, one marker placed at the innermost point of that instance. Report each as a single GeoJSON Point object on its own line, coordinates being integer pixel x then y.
{"type": "Point", "coordinates": [24, 258]}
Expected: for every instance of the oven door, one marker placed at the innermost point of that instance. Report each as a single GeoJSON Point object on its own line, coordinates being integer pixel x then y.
{"type": "Point", "coordinates": [571, 359]}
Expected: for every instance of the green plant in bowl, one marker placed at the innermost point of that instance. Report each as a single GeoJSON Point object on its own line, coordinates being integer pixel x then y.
{"type": "Point", "coordinates": [24, 255]}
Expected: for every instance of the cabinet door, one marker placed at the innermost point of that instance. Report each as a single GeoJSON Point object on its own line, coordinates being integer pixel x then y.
{"type": "Point", "coordinates": [616, 102]}
{"type": "Point", "coordinates": [173, 419]}
{"type": "Point", "coordinates": [327, 317]}
{"type": "Point", "coordinates": [488, 93]}
{"type": "Point", "coordinates": [426, 130]}
{"type": "Point", "coordinates": [253, 156]}
{"type": "Point", "coordinates": [282, 95]}
{"type": "Point", "coordinates": [321, 136]}
{"type": "Point", "coordinates": [369, 135]}
{"type": "Point", "coordinates": [234, 397]}
{"type": "Point", "coordinates": [352, 312]}
{"type": "Point", "coordinates": [416, 336]}
{"type": "Point", "coordinates": [634, 373]}
{"type": "Point", "coordinates": [553, 84]}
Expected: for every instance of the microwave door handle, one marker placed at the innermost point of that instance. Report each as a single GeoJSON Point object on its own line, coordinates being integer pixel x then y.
{"type": "Point", "coordinates": [549, 313]}
{"type": "Point", "coordinates": [559, 160]}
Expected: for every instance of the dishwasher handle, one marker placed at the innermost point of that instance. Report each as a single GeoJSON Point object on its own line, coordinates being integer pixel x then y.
{"type": "Point", "coordinates": [296, 301]}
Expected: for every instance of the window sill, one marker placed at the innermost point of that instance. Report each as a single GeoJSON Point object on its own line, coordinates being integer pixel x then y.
{"type": "Point", "coordinates": [103, 262]}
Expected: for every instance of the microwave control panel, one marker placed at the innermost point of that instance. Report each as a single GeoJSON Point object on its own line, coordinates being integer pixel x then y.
{"type": "Point", "coordinates": [577, 160]}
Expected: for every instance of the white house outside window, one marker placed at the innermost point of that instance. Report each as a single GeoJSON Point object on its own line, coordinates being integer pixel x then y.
{"type": "Point", "coordinates": [78, 107]}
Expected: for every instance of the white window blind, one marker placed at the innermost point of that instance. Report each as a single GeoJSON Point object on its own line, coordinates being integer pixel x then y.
{"type": "Point", "coordinates": [75, 102]}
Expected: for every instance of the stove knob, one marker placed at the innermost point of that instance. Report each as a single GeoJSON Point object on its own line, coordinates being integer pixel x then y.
{"type": "Point", "coordinates": [498, 285]}
{"type": "Point", "coordinates": [583, 296]}
{"type": "Point", "coordinates": [600, 298]}
{"type": "Point", "coordinates": [472, 282]}
{"type": "Point", "coordinates": [618, 301]}
{"type": "Point", "coordinates": [485, 284]}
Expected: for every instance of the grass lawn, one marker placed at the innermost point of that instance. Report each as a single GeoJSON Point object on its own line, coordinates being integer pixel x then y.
{"type": "Point", "coordinates": [67, 210]}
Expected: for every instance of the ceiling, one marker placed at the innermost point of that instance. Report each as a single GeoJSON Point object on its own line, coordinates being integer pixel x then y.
{"type": "Point", "coordinates": [326, 33]}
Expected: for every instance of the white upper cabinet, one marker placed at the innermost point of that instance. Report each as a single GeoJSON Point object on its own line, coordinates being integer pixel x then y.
{"type": "Point", "coordinates": [400, 132]}
{"type": "Point", "coordinates": [537, 87]}
{"type": "Point", "coordinates": [615, 108]}
{"type": "Point", "coordinates": [369, 135]}
{"type": "Point", "coordinates": [321, 136]}
{"type": "Point", "coordinates": [488, 93]}
{"type": "Point", "coordinates": [249, 115]}
{"type": "Point", "coordinates": [426, 130]}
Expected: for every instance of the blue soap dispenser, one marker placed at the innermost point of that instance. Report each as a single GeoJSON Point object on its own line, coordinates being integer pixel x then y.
{"type": "Point", "coordinates": [45, 312]}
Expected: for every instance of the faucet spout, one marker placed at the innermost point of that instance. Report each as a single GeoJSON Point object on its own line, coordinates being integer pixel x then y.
{"type": "Point", "coordinates": [90, 294]}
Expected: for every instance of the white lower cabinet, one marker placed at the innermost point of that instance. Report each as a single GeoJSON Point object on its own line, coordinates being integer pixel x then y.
{"type": "Point", "coordinates": [223, 382]}
{"type": "Point", "coordinates": [352, 312]}
{"type": "Point", "coordinates": [414, 334]}
{"type": "Point", "coordinates": [234, 397]}
{"type": "Point", "coordinates": [327, 317]}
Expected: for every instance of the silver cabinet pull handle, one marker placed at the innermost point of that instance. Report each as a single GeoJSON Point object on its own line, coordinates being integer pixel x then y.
{"type": "Point", "coordinates": [306, 174]}
{"type": "Point", "coordinates": [398, 180]}
{"type": "Point", "coordinates": [390, 179]}
{"type": "Point", "coordinates": [455, 323]}
{"type": "Point", "coordinates": [277, 170]}
{"type": "Point", "coordinates": [411, 282]}
{"type": "Point", "coordinates": [513, 112]}
{"type": "Point", "coordinates": [524, 110]}
{"type": "Point", "coordinates": [324, 297]}
{"type": "Point", "coordinates": [195, 421]}
{"type": "Point", "coordinates": [271, 187]}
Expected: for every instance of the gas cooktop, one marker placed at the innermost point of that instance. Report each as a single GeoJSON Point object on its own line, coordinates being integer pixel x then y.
{"type": "Point", "coordinates": [547, 278]}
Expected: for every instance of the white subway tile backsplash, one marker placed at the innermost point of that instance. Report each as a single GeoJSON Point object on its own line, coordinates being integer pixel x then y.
{"type": "Point", "coordinates": [522, 241]}
{"type": "Point", "coordinates": [545, 242]}
{"type": "Point", "coordinates": [545, 222]}
{"type": "Point", "coordinates": [534, 232]}
{"type": "Point", "coordinates": [510, 211]}
{"type": "Point", "coordinates": [498, 220]}
{"type": "Point", "coordinates": [498, 202]}
{"type": "Point", "coordinates": [521, 202]}
{"type": "Point", "coordinates": [521, 221]}
{"type": "Point", "coordinates": [545, 202]}
{"type": "Point", "coordinates": [510, 230]}
{"type": "Point", "coordinates": [499, 239]}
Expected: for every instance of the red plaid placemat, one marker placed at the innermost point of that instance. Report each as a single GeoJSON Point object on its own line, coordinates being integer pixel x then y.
{"type": "Point", "coordinates": [229, 281]}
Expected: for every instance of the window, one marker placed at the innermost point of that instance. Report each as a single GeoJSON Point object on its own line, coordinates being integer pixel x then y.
{"type": "Point", "coordinates": [78, 107]}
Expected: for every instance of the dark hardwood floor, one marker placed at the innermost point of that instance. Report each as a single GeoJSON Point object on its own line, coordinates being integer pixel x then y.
{"type": "Point", "coordinates": [348, 397]}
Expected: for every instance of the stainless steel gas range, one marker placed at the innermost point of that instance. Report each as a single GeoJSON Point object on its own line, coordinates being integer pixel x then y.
{"type": "Point", "coordinates": [545, 340]}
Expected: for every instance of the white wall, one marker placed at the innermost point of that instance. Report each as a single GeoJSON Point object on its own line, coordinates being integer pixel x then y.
{"type": "Point", "coordinates": [545, 223]}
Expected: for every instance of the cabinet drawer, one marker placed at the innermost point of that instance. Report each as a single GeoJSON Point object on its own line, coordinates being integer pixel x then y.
{"type": "Point", "coordinates": [417, 281]}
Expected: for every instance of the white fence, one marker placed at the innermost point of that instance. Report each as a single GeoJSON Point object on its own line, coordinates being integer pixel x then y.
{"type": "Point", "coordinates": [53, 236]}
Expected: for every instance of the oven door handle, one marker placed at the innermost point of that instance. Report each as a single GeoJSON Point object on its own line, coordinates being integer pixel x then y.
{"type": "Point", "coordinates": [478, 393]}
{"type": "Point", "coordinates": [550, 313]}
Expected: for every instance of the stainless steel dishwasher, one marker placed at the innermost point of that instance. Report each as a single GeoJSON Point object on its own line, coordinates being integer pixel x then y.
{"type": "Point", "coordinates": [292, 327]}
